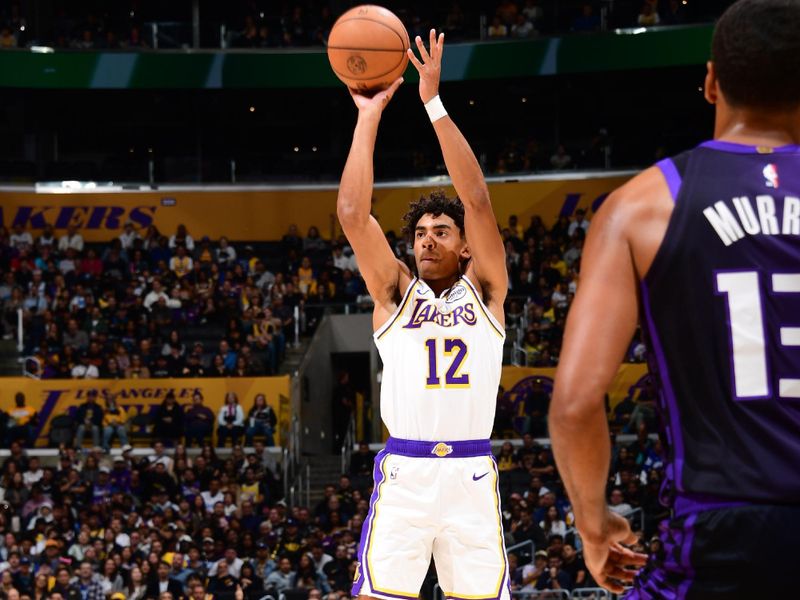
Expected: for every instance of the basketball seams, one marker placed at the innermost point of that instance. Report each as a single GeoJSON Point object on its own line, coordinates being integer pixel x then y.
{"type": "Point", "coordinates": [405, 44]}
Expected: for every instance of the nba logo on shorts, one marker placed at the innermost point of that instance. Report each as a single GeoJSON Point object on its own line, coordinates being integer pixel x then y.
{"type": "Point", "coordinates": [441, 449]}
{"type": "Point", "coordinates": [393, 472]}
{"type": "Point", "coordinates": [771, 175]}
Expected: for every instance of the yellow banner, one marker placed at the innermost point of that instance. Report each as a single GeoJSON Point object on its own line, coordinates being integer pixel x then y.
{"type": "Point", "coordinates": [628, 383]}
{"type": "Point", "coordinates": [51, 397]}
{"type": "Point", "coordinates": [265, 215]}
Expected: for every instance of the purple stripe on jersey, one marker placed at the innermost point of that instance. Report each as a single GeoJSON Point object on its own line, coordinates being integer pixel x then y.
{"type": "Point", "coordinates": [366, 529]}
{"type": "Point", "coordinates": [686, 550]}
{"type": "Point", "coordinates": [672, 176]}
{"type": "Point", "coordinates": [666, 388]}
{"type": "Point", "coordinates": [747, 149]}
{"type": "Point", "coordinates": [688, 504]}
{"type": "Point", "coordinates": [419, 449]}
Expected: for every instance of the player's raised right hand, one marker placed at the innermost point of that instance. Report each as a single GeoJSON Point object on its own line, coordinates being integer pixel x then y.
{"type": "Point", "coordinates": [374, 105]}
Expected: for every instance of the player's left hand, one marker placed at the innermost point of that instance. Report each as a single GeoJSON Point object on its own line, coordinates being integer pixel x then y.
{"type": "Point", "coordinates": [429, 65]}
{"type": "Point", "coordinates": [611, 564]}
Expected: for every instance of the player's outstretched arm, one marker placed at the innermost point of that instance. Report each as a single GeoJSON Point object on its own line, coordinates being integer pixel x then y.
{"type": "Point", "coordinates": [485, 244]}
{"type": "Point", "coordinates": [601, 323]}
{"type": "Point", "coordinates": [378, 265]}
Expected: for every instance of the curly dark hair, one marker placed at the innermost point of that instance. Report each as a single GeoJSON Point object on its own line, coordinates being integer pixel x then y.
{"type": "Point", "coordinates": [436, 203]}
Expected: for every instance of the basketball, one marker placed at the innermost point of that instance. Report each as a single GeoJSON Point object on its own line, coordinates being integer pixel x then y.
{"type": "Point", "coordinates": [367, 48]}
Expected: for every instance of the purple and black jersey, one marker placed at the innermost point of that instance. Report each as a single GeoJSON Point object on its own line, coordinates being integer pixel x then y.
{"type": "Point", "coordinates": [721, 308]}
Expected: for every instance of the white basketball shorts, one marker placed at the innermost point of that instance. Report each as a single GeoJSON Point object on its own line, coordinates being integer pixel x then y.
{"type": "Point", "coordinates": [437, 499]}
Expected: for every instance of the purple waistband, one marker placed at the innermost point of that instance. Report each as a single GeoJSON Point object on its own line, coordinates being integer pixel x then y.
{"type": "Point", "coordinates": [418, 449]}
{"type": "Point", "coordinates": [686, 504]}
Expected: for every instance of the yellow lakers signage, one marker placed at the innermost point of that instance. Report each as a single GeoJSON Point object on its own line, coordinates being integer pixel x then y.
{"type": "Point", "coordinates": [265, 214]}
{"type": "Point", "coordinates": [628, 383]}
{"type": "Point", "coordinates": [56, 396]}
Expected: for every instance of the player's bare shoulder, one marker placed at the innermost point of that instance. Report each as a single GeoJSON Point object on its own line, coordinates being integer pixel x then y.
{"type": "Point", "coordinates": [639, 211]}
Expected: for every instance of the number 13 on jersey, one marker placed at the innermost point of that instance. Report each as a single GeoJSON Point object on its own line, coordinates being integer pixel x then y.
{"type": "Point", "coordinates": [748, 338]}
{"type": "Point", "coordinates": [452, 347]}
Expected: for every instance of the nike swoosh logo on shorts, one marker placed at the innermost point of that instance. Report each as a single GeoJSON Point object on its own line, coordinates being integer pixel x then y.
{"type": "Point", "coordinates": [481, 477]}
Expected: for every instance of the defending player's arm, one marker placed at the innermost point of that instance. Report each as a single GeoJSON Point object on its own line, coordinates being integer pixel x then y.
{"type": "Point", "coordinates": [601, 323]}
{"type": "Point", "coordinates": [485, 244]}
{"type": "Point", "coordinates": [378, 265]}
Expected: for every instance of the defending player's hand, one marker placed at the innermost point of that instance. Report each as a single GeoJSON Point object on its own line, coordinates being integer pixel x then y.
{"type": "Point", "coordinates": [612, 565]}
{"type": "Point", "coordinates": [429, 65]}
{"type": "Point", "coordinates": [375, 104]}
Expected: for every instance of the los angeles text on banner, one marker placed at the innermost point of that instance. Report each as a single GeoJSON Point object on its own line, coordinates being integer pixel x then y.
{"type": "Point", "coordinates": [52, 397]}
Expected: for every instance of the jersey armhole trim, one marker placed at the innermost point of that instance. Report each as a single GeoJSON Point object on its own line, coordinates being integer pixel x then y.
{"type": "Point", "coordinates": [379, 333]}
{"type": "Point", "coordinates": [484, 309]}
{"type": "Point", "coordinates": [673, 177]}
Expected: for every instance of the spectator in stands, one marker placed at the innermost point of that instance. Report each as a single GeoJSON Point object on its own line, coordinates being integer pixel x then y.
{"type": "Point", "coordinates": [617, 504]}
{"type": "Point", "coordinates": [137, 370]}
{"type": "Point", "coordinates": [21, 421]}
{"type": "Point", "coordinates": [164, 583]}
{"type": "Point", "coordinates": [230, 421]}
{"type": "Point", "coordinates": [20, 239]}
{"type": "Point", "coordinates": [282, 579]}
{"type": "Point", "coordinates": [7, 38]}
{"type": "Point", "coordinates": [554, 577]}
{"type": "Point", "coordinates": [225, 253]}
{"type": "Point", "coordinates": [261, 420]}
{"type": "Point", "coordinates": [553, 524]}
{"type": "Point", "coordinates": [506, 461]}
{"type": "Point", "coordinates": [128, 236]}
{"type": "Point", "coordinates": [181, 264]}
{"type": "Point", "coordinates": [115, 423]}
{"type": "Point", "coordinates": [181, 237]}
{"type": "Point", "coordinates": [581, 221]}
{"type": "Point", "coordinates": [157, 294]}
{"type": "Point", "coordinates": [89, 416]}
{"type": "Point", "coordinates": [497, 29]}
{"type": "Point", "coordinates": [168, 419]}
{"type": "Point", "coordinates": [71, 239]}
{"type": "Point", "coordinates": [648, 15]}
{"type": "Point", "coordinates": [362, 462]}
{"type": "Point", "coordinates": [136, 586]}
{"type": "Point", "coordinates": [85, 369]}
{"type": "Point", "coordinates": [560, 160]}
{"type": "Point", "coordinates": [313, 242]}
{"type": "Point", "coordinates": [522, 27]}
{"type": "Point", "coordinates": [587, 21]}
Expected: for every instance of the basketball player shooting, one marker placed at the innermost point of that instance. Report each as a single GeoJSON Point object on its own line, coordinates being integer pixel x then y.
{"type": "Point", "coordinates": [440, 334]}
{"type": "Point", "coordinates": [706, 247]}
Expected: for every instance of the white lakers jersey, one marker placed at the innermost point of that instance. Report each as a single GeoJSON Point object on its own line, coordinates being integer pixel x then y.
{"type": "Point", "coordinates": [442, 359]}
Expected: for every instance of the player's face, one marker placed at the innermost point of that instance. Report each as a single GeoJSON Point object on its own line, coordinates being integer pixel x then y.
{"type": "Point", "coordinates": [439, 247]}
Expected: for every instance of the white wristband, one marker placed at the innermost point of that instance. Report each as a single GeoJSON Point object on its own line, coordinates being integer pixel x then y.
{"type": "Point", "coordinates": [435, 109]}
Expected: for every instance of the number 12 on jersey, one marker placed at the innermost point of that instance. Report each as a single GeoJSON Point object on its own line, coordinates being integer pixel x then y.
{"type": "Point", "coordinates": [747, 335]}
{"type": "Point", "coordinates": [453, 378]}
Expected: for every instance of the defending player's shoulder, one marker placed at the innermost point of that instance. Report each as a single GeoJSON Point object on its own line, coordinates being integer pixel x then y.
{"type": "Point", "coordinates": [639, 211]}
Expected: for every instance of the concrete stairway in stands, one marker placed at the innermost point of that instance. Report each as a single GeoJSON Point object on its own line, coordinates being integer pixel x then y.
{"type": "Point", "coordinates": [324, 470]}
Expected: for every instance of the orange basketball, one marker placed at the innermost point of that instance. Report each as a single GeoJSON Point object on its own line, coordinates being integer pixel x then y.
{"type": "Point", "coordinates": [367, 47]}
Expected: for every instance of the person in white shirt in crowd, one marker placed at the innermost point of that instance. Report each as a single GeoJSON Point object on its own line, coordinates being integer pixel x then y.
{"type": "Point", "coordinates": [85, 369]}
{"type": "Point", "coordinates": [20, 238]}
{"type": "Point", "coordinates": [71, 239]}
{"type": "Point", "coordinates": [617, 504]}
{"type": "Point", "coordinates": [156, 294]}
{"type": "Point", "coordinates": [230, 421]}
{"type": "Point", "coordinates": [48, 237]}
{"type": "Point", "coordinates": [226, 254]}
{"type": "Point", "coordinates": [181, 238]}
{"type": "Point", "coordinates": [344, 261]}
{"type": "Point", "coordinates": [212, 495]}
{"type": "Point", "coordinates": [580, 220]}
{"type": "Point", "coordinates": [128, 236]}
